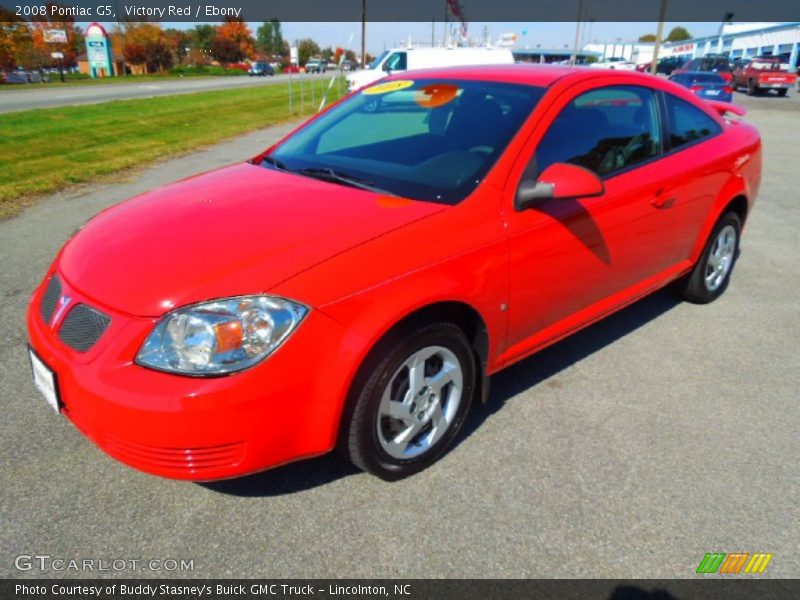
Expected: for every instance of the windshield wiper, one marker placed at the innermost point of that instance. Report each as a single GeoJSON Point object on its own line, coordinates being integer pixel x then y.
{"type": "Point", "coordinates": [328, 174]}
{"type": "Point", "coordinates": [275, 162]}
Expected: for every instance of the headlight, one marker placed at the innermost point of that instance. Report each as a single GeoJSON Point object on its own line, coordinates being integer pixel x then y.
{"type": "Point", "coordinates": [220, 337]}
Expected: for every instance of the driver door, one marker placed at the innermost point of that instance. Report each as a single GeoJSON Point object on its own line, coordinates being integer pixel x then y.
{"type": "Point", "coordinates": [573, 260]}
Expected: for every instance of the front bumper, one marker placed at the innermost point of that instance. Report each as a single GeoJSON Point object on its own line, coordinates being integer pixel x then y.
{"type": "Point", "coordinates": [283, 409]}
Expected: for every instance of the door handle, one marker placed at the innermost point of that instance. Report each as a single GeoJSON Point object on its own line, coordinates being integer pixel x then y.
{"type": "Point", "coordinates": [663, 201]}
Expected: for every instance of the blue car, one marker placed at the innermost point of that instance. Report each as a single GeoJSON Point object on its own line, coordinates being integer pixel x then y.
{"type": "Point", "coordinates": [709, 86]}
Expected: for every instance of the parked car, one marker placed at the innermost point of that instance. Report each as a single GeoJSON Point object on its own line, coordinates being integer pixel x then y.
{"type": "Point", "coordinates": [411, 59]}
{"type": "Point", "coordinates": [709, 86]}
{"type": "Point", "coordinates": [261, 69]}
{"type": "Point", "coordinates": [710, 63]}
{"type": "Point", "coordinates": [22, 76]}
{"type": "Point", "coordinates": [316, 65]}
{"type": "Point", "coordinates": [308, 299]}
{"type": "Point", "coordinates": [615, 62]}
{"type": "Point", "coordinates": [668, 64]}
{"type": "Point", "coordinates": [761, 74]}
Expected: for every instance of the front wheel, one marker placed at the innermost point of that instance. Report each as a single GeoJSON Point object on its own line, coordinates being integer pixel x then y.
{"type": "Point", "coordinates": [712, 273]}
{"type": "Point", "coordinates": [411, 403]}
{"type": "Point", "coordinates": [752, 88]}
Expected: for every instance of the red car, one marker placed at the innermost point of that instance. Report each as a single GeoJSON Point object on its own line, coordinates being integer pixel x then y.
{"type": "Point", "coordinates": [357, 284]}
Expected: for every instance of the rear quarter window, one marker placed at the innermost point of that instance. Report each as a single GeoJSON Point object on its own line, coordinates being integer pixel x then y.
{"type": "Point", "coordinates": [688, 124]}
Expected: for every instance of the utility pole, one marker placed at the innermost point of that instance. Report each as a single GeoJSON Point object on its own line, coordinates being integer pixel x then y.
{"type": "Point", "coordinates": [363, 34]}
{"type": "Point", "coordinates": [445, 23]}
{"type": "Point", "coordinates": [662, 13]}
{"type": "Point", "coordinates": [578, 29]}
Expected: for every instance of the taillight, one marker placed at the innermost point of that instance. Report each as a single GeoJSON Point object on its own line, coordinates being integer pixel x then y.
{"type": "Point", "coordinates": [728, 90]}
{"type": "Point", "coordinates": [696, 88]}
{"type": "Point", "coordinates": [728, 77]}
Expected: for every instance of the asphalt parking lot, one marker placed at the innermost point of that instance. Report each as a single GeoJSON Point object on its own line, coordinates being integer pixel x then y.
{"type": "Point", "coordinates": [628, 450]}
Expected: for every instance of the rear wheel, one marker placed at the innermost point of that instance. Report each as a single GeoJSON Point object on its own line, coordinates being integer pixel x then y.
{"type": "Point", "coordinates": [782, 92]}
{"type": "Point", "coordinates": [412, 402]}
{"type": "Point", "coordinates": [752, 88]}
{"type": "Point", "coordinates": [711, 275]}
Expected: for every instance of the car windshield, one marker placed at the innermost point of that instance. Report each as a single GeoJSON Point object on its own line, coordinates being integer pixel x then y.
{"type": "Point", "coordinates": [430, 140]}
{"type": "Point", "coordinates": [377, 60]}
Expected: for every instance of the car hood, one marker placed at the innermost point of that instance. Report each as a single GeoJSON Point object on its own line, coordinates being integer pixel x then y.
{"type": "Point", "coordinates": [239, 230]}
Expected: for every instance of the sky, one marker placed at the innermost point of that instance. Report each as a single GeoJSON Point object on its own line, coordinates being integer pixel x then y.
{"type": "Point", "coordinates": [383, 35]}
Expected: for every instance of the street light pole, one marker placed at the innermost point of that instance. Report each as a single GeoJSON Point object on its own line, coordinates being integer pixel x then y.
{"type": "Point", "coordinates": [662, 13]}
{"type": "Point", "coordinates": [578, 29]}
{"type": "Point", "coordinates": [363, 34]}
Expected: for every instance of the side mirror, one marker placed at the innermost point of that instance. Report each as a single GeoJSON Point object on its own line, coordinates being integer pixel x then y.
{"type": "Point", "coordinates": [559, 181]}
{"type": "Point", "coordinates": [385, 67]}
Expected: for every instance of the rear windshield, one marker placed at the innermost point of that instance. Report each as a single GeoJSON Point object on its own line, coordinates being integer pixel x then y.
{"type": "Point", "coordinates": [765, 65]}
{"type": "Point", "coordinates": [715, 64]}
{"type": "Point", "coordinates": [431, 140]}
{"type": "Point", "coordinates": [704, 78]}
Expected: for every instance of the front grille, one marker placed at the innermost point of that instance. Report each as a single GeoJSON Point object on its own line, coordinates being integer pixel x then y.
{"type": "Point", "coordinates": [82, 327]}
{"type": "Point", "coordinates": [51, 295]}
{"type": "Point", "coordinates": [178, 461]}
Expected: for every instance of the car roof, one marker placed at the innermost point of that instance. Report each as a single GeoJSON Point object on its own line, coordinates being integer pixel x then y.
{"type": "Point", "coordinates": [528, 74]}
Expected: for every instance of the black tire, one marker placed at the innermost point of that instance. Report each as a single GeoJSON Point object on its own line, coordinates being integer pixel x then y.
{"type": "Point", "coordinates": [752, 88]}
{"type": "Point", "coordinates": [695, 287]}
{"type": "Point", "coordinates": [782, 92]}
{"type": "Point", "coordinates": [363, 422]}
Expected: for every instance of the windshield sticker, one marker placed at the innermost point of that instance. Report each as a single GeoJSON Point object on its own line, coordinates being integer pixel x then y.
{"type": "Point", "coordinates": [389, 86]}
{"type": "Point", "coordinates": [436, 95]}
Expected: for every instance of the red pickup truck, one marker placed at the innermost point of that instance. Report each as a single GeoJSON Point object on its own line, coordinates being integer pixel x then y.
{"type": "Point", "coordinates": [762, 74]}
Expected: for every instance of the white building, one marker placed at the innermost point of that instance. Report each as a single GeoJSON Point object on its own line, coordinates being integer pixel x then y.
{"type": "Point", "coordinates": [637, 52]}
{"type": "Point", "coordinates": [744, 40]}
{"type": "Point", "coordinates": [739, 40]}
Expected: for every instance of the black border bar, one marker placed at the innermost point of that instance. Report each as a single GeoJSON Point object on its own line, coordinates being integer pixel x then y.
{"type": "Point", "coordinates": [410, 10]}
{"type": "Point", "coordinates": [705, 588]}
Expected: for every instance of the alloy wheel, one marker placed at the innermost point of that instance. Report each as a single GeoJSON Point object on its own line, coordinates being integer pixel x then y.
{"type": "Point", "coordinates": [420, 402]}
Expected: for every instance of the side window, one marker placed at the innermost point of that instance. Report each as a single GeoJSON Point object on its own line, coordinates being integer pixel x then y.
{"type": "Point", "coordinates": [603, 130]}
{"type": "Point", "coordinates": [396, 62]}
{"type": "Point", "coordinates": [688, 123]}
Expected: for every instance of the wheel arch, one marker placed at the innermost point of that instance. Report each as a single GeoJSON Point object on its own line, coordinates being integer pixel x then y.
{"type": "Point", "coordinates": [733, 197]}
{"type": "Point", "coordinates": [462, 314]}
{"type": "Point", "coordinates": [458, 312]}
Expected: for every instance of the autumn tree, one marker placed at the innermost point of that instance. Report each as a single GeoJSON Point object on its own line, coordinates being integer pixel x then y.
{"type": "Point", "coordinates": [233, 42]}
{"type": "Point", "coordinates": [147, 44]}
{"type": "Point", "coordinates": [226, 51]}
{"type": "Point", "coordinates": [678, 34]}
{"type": "Point", "coordinates": [14, 34]}
{"type": "Point", "coordinates": [180, 42]}
{"type": "Point", "coordinates": [306, 49]}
